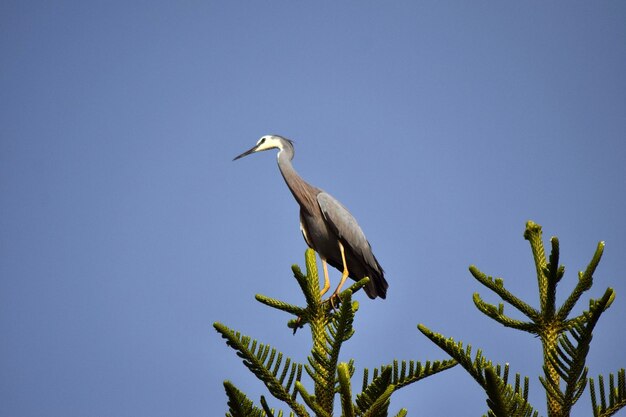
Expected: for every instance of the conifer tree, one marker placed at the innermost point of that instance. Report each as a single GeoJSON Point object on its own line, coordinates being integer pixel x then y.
{"type": "Point", "coordinates": [565, 340]}
{"type": "Point", "coordinates": [330, 329]}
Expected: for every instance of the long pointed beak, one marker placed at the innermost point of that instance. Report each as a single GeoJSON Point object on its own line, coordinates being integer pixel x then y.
{"type": "Point", "coordinates": [248, 152]}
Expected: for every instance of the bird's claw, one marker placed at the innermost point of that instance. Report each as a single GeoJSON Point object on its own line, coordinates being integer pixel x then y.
{"type": "Point", "coordinates": [332, 299]}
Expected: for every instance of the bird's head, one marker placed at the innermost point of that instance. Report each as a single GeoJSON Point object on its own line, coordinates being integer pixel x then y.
{"type": "Point", "coordinates": [268, 142]}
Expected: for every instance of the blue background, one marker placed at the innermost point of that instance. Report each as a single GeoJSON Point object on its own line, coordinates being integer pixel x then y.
{"type": "Point", "coordinates": [126, 230]}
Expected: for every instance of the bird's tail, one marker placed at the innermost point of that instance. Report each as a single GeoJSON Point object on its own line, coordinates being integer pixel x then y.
{"type": "Point", "coordinates": [377, 286]}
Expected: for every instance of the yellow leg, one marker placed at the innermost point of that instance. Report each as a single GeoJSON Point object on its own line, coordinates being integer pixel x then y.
{"type": "Point", "coordinates": [326, 280]}
{"type": "Point", "coordinates": [344, 275]}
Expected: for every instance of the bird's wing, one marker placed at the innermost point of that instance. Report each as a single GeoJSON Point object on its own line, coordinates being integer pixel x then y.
{"type": "Point", "coordinates": [345, 226]}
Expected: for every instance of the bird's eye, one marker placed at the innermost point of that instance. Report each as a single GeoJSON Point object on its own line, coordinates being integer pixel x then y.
{"type": "Point", "coordinates": [261, 141]}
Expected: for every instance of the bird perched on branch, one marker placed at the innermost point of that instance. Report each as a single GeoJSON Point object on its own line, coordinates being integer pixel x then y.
{"type": "Point", "coordinates": [327, 226]}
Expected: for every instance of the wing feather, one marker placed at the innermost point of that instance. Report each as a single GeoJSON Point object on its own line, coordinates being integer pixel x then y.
{"type": "Point", "coordinates": [346, 227]}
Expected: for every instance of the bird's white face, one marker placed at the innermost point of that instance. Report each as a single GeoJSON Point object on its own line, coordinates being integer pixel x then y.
{"type": "Point", "coordinates": [263, 144]}
{"type": "Point", "coordinates": [268, 142]}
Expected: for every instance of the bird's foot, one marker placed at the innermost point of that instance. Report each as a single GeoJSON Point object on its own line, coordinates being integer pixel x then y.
{"type": "Point", "coordinates": [332, 299]}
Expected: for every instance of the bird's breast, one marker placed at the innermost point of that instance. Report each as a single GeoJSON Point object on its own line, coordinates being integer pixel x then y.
{"type": "Point", "coordinates": [318, 235]}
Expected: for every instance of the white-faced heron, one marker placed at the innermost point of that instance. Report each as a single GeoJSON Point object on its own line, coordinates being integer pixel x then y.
{"type": "Point", "coordinates": [327, 226]}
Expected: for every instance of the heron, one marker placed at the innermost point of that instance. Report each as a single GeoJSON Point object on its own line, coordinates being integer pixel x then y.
{"type": "Point", "coordinates": [327, 226]}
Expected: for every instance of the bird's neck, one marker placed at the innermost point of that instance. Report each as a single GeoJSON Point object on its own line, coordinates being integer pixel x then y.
{"type": "Point", "coordinates": [304, 193]}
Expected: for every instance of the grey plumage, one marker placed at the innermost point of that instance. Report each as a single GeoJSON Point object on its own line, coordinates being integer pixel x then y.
{"type": "Point", "coordinates": [327, 226]}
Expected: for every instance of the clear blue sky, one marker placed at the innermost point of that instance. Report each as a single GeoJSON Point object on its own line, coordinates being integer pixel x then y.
{"type": "Point", "coordinates": [126, 230]}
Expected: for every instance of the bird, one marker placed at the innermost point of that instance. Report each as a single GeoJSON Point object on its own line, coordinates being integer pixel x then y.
{"type": "Point", "coordinates": [327, 226]}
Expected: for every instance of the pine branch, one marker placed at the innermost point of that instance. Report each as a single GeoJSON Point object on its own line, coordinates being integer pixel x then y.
{"type": "Point", "coordinates": [380, 407]}
{"type": "Point", "coordinates": [533, 235]}
{"type": "Point", "coordinates": [309, 283]}
{"type": "Point", "coordinates": [475, 367]}
{"type": "Point", "coordinates": [238, 404]}
{"type": "Point", "coordinates": [408, 372]}
{"type": "Point", "coordinates": [328, 339]}
{"type": "Point", "coordinates": [553, 273]}
{"type": "Point", "coordinates": [259, 359]}
{"type": "Point", "coordinates": [497, 286]}
{"type": "Point", "coordinates": [280, 305]}
{"type": "Point", "coordinates": [330, 331]}
{"type": "Point", "coordinates": [266, 408]}
{"type": "Point", "coordinates": [585, 280]}
{"type": "Point", "coordinates": [269, 412]}
{"type": "Point", "coordinates": [373, 391]}
{"type": "Point", "coordinates": [503, 399]}
{"type": "Point", "coordinates": [617, 395]}
{"type": "Point", "coordinates": [497, 314]}
{"type": "Point", "coordinates": [372, 394]}
{"type": "Point", "coordinates": [311, 401]}
{"type": "Point", "coordinates": [345, 390]}
{"type": "Point", "coordinates": [569, 356]}
{"type": "Point", "coordinates": [340, 327]}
